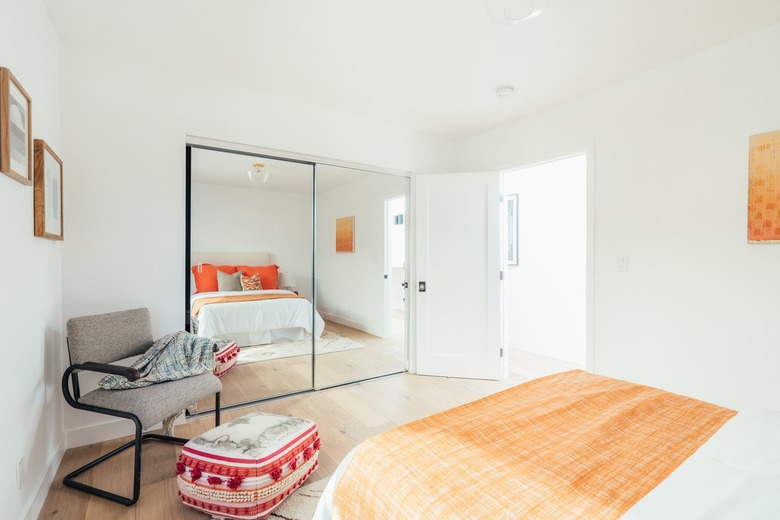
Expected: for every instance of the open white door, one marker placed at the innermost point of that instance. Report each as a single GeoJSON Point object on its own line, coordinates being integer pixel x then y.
{"type": "Point", "coordinates": [459, 263]}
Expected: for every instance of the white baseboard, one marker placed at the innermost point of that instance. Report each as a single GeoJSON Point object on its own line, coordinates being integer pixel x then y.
{"type": "Point", "coordinates": [110, 430]}
{"type": "Point", "coordinates": [350, 323]}
{"type": "Point", "coordinates": [93, 433]}
{"type": "Point", "coordinates": [547, 350]}
{"type": "Point", "coordinates": [41, 491]}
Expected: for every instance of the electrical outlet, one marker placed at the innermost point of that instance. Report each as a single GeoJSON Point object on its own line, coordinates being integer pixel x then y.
{"type": "Point", "coordinates": [20, 474]}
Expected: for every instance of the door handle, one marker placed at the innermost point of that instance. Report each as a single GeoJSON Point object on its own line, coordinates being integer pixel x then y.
{"type": "Point", "coordinates": [405, 285]}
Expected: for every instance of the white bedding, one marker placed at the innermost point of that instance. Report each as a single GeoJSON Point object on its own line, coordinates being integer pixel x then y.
{"type": "Point", "coordinates": [734, 475]}
{"type": "Point", "coordinates": [257, 322]}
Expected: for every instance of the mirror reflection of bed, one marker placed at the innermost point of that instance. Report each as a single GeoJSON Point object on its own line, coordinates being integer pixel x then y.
{"type": "Point", "coordinates": [253, 224]}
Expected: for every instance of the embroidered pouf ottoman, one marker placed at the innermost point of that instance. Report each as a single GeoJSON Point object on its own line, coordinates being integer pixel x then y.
{"type": "Point", "coordinates": [245, 468]}
{"type": "Point", "coordinates": [225, 357]}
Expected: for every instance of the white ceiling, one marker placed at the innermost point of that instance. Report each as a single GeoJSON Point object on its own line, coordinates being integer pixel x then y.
{"type": "Point", "coordinates": [231, 169]}
{"type": "Point", "coordinates": [432, 65]}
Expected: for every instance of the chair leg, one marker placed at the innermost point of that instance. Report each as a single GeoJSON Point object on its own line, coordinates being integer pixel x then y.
{"type": "Point", "coordinates": [216, 409]}
{"type": "Point", "coordinates": [137, 443]}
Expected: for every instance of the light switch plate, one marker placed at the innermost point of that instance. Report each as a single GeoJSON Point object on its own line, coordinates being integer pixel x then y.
{"type": "Point", "coordinates": [621, 262]}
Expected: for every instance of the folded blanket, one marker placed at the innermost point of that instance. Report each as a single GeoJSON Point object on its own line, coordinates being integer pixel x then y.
{"type": "Point", "coordinates": [174, 356]}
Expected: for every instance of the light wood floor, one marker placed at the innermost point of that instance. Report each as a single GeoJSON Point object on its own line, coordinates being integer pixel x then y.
{"type": "Point", "coordinates": [345, 416]}
{"type": "Point", "coordinates": [253, 381]}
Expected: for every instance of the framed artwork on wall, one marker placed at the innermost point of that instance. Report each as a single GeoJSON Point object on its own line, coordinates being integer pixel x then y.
{"type": "Point", "coordinates": [764, 188]}
{"type": "Point", "coordinates": [16, 152]}
{"type": "Point", "coordinates": [511, 230]}
{"type": "Point", "coordinates": [47, 192]}
{"type": "Point", "coordinates": [345, 235]}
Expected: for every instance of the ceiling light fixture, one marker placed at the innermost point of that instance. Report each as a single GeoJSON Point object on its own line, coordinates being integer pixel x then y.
{"type": "Point", "coordinates": [505, 91]}
{"type": "Point", "coordinates": [258, 174]}
{"type": "Point", "coordinates": [509, 12]}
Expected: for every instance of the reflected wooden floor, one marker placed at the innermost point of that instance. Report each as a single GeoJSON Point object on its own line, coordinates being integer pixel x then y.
{"type": "Point", "coordinates": [252, 381]}
{"type": "Point", "coordinates": [345, 416]}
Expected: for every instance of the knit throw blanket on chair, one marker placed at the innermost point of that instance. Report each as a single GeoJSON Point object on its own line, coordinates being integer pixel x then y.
{"type": "Point", "coordinates": [174, 356]}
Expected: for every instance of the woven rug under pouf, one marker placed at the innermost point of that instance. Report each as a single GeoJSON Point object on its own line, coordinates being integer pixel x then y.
{"type": "Point", "coordinates": [302, 503]}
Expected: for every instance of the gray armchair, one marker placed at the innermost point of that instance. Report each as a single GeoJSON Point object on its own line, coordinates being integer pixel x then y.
{"type": "Point", "coordinates": [94, 344]}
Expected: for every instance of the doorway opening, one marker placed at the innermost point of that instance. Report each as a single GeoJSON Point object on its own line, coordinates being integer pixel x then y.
{"type": "Point", "coordinates": [545, 280]}
{"type": "Point", "coordinates": [395, 266]}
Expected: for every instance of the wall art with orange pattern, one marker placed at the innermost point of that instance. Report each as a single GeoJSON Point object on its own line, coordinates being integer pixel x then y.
{"type": "Point", "coordinates": [345, 235]}
{"type": "Point", "coordinates": [764, 188]}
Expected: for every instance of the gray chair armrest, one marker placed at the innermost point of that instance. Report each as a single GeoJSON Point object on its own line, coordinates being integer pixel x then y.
{"type": "Point", "coordinates": [131, 374]}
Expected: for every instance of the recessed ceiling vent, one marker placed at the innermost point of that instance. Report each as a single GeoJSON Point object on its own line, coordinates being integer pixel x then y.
{"type": "Point", "coordinates": [509, 12]}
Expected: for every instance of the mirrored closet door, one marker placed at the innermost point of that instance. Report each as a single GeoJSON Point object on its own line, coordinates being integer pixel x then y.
{"type": "Point", "coordinates": [250, 270]}
{"type": "Point", "coordinates": [360, 274]}
{"type": "Point", "coordinates": [299, 266]}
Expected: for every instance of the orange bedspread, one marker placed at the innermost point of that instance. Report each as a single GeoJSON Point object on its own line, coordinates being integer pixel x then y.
{"type": "Point", "coordinates": [570, 445]}
{"type": "Point", "coordinates": [200, 302]}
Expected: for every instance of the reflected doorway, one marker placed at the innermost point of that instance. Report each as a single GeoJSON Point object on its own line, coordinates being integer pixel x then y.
{"type": "Point", "coordinates": [395, 261]}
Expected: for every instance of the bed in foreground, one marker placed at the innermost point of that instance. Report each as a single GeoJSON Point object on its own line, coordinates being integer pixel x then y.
{"type": "Point", "coordinates": [570, 445]}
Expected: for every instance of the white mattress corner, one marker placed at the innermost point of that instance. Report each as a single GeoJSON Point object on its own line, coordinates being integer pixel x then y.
{"type": "Point", "coordinates": [734, 475]}
{"type": "Point", "coordinates": [324, 509]}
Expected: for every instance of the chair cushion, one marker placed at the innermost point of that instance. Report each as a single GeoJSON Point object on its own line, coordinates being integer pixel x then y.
{"type": "Point", "coordinates": [153, 403]}
{"type": "Point", "coordinates": [109, 337]}
{"type": "Point", "coordinates": [245, 468]}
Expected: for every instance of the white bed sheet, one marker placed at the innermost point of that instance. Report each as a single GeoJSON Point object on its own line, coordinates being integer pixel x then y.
{"type": "Point", "coordinates": [734, 475]}
{"type": "Point", "coordinates": [257, 322]}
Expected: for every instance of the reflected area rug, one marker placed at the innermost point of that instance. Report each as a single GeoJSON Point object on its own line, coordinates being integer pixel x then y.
{"type": "Point", "coordinates": [327, 343]}
{"type": "Point", "coordinates": [302, 503]}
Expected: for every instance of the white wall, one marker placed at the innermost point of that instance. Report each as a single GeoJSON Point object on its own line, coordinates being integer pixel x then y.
{"type": "Point", "coordinates": [544, 295]}
{"type": "Point", "coordinates": [697, 310]}
{"type": "Point", "coordinates": [124, 128]}
{"type": "Point", "coordinates": [30, 307]}
{"type": "Point", "coordinates": [226, 218]}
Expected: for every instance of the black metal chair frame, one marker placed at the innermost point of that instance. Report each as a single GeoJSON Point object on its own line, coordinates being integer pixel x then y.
{"type": "Point", "coordinates": [140, 438]}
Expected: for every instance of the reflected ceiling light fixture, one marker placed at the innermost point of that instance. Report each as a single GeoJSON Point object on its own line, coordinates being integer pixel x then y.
{"type": "Point", "coordinates": [510, 12]}
{"type": "Point", "coordinates": [258, 174]}
{"type": "Point", "coordinates": [505, 91]}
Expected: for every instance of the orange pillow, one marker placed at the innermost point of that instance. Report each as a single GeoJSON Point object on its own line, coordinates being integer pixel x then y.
{"type": "Point", "coordinates": [206, 276]}
{"type": "Point", "coordinates": [269, 274]}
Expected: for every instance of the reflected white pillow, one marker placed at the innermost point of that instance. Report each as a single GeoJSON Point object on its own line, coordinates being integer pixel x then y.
{"type": "Point", "coordinates": [228, 282]}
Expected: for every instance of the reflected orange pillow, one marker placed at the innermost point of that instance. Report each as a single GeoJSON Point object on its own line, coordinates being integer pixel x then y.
{"type": "Point", "coordinates": [206, 276]}
{"type": "Point", "coordinates": [269, 274]}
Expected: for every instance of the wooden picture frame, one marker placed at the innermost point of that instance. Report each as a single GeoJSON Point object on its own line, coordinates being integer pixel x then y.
{"type": "Point", "coordinates": [345, 235]}
{"type": "Point", "coordinates": [512, 235]}
{"type": "Point", "coordinates": [47, 192]}
{"type": "Point", "coordinates": [16, 148]}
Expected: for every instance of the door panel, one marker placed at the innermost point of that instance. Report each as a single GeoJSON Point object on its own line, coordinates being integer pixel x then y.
{"type": "Point", "coordinates": [459, 260]}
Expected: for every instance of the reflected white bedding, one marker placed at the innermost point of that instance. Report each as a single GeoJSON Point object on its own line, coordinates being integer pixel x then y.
{"type": "Point", "coordinates": [734, 475]}
{"type": "Point", "coordinates": [257, 322]}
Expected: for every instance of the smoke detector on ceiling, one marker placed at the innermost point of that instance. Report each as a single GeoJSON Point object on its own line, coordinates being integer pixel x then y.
{"type": "Point", "coordinates": [505, 91]}
{"type": "Point", "coordinates": [511, 12]}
